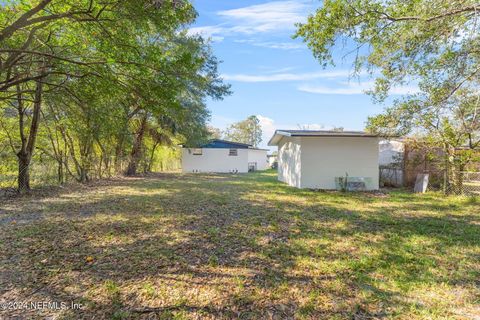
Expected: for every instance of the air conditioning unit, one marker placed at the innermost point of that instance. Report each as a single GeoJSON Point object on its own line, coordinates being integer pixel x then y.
{"type": "Point", "coordinates": [353, 183]}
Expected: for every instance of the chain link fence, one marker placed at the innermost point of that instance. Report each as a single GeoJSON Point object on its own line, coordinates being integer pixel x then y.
{"type": "Point", "coordinates": [41, 174]}
{"type": "Point", "coordinates": [460, 183]}
{"type": "Point", "coordinates": [391, 176]}
{"type": "Point", "coordinates": [46, 172]}
{"type": "Point", "coordinates": [465, 183]}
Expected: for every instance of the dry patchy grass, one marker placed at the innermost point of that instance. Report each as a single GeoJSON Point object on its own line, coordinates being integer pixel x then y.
{"type": "Point", "coordinates": [246, 246]}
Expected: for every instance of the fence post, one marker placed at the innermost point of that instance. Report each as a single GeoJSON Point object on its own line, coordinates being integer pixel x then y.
{"type": "Point", "coordinates": [404, 165]}
{"type": "Point", "coordinates": [445, 175]}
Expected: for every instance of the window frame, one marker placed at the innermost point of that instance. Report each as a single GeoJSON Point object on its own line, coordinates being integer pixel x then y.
{"type": "Point", "coordinates": [197, 151]}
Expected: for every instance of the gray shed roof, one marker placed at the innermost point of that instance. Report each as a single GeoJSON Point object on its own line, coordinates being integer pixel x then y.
{"type": "Point", "coordinates": [317, 133]}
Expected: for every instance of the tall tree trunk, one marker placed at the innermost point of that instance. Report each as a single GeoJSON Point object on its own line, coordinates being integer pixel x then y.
{"type": "Point", "coordinates": [152, 155]}
{"type": "Point", "coordinates": [28, 145]}
{"type": "Point", "coordinates": [60, 176]}
{"type": "Point", "coordinates": [70, 145]}
{"type": "Point", "coordinates": [104, 158]}
{"type": "Point", "coordinates": [86, 146]}
{"type": "Point", "coordinates": [118, 157]}
{"type": "Point", "coordinates": [137, 149]}
{"type": "Point", "coordinates": [57, 151]}
{"type": "Point", "coordinates": [23, 173]}
{"type": "Point", "coordinates": [119, 151]}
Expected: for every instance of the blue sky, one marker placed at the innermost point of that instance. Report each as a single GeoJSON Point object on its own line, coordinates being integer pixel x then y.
{"type": "Point", "coordinates": [276, 77]}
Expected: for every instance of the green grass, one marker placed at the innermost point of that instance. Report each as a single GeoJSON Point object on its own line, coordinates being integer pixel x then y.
{"type": "Point", "coordinates": [240, 246]}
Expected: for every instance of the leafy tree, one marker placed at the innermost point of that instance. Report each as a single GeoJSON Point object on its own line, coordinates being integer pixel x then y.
{"type": "Point", "coordinates": [247, 131]}
{"type": "Point", "coordinates": [214, 133]}
{"type": "Point", "coordinates": [46, 44]}
{"type": "Point", "coordinates": [93, 70]}
{"type": "Point", "coordinates": [432, 44]}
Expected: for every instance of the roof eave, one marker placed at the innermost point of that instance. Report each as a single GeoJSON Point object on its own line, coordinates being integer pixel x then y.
{"type": "Point", "coordinates": [277, 136]}
{"type": "Point", "coordinates": [337, 135]}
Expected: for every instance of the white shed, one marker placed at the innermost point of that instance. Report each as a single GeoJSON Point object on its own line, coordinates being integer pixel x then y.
{"type": "Point", "coordinates": [327, 159]}
{"type": "Point", "coordinates": [222, 156]}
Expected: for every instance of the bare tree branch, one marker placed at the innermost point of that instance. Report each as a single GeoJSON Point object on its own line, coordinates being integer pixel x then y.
{"type": "Point", "coordinates": [445, 14]}
{"type": "Point", "coordinates": [23, 20]}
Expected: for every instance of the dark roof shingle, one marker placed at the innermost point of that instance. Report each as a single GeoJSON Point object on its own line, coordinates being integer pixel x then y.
{"type": "Point", "coordinates": [318, 133]}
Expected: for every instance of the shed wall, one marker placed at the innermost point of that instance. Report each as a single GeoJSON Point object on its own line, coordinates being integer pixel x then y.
{"type": "Point", "coordinates": [289, 161]}
{"type": "Point", "coordinates": [325, 158]}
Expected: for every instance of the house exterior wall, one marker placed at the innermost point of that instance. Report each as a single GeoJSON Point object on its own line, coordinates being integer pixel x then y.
{"type": "Point", "coordinates": [323, 159]}
{"type": "Point", "coordinates": [289, 161]}
{"type": "Point", "coordinates": [258, 156]}
{"type": "Point", "coordinates": [272, 159]}
{"type": "Point", "coordinates": [214, 160]}
{"type": "Point", "coordinates": [391, 160]}
{"type": "Point", "coordinates": [391, 152]}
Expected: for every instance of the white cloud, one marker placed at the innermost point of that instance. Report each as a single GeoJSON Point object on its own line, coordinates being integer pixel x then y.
{"type": "Point", "coordinates": [410, 89]}
{"type": "Point", "coordinates": [274, 77]}
{"type": "Point", "coordinates": [273, 45]}
{"type": "Point", "coordinates": [209, 32]}
{"type": "Point", "coordinates": [271, 17]}
{"type": "Point", "coordinates": [280, 45]}
{"type": "Point", "coordinates": [349, 88]}
{"type": "Point", "coordinates": [266, 17]}
{"type": "Point", "coordinates": [270, 70]}
{"type": "Point", "coordinates": [269, 126]}
{"type": "Point", "coordinates": [329, 90]}
{"type": "Point", "coordinates": [221, 122]}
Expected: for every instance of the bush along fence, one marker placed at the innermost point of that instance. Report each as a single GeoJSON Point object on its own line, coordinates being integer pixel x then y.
{"type": "Point", "coordinates": [463, 183]}
{"type": "Point", "coordinates": [45, 170]}
{"type": "Point", "coordinates": [453, 171]}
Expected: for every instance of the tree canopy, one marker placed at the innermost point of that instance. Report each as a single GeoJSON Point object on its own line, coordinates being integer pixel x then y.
{"type": "Point", "coordinates": [432, 44]}
{"type": "Point", "coordinates": [246, 131]}
{"type": "Point", "coordinates": [111, 79]}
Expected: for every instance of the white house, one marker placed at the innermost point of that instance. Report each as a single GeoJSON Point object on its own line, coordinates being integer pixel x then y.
{"type": "Point", "coordinates": [391, 160]}
{"type": "Point", "coordinates": [224, 157]}
{"type": "Point", "coordinates": [322, 159]}
{"type": "Point", "coordinates": [391, 152]}
{"type": "Point", "coordinates": [272, 159]}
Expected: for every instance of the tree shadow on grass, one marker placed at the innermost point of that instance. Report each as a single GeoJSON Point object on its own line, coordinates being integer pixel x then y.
{"type": "Point", "coordinates": [212, 246]}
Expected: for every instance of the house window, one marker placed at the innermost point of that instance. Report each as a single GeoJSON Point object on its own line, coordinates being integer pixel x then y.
{"type": "Point", "coordinates": [233, 152]}
{"type": "Point", "coordinates": [197, 152]}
